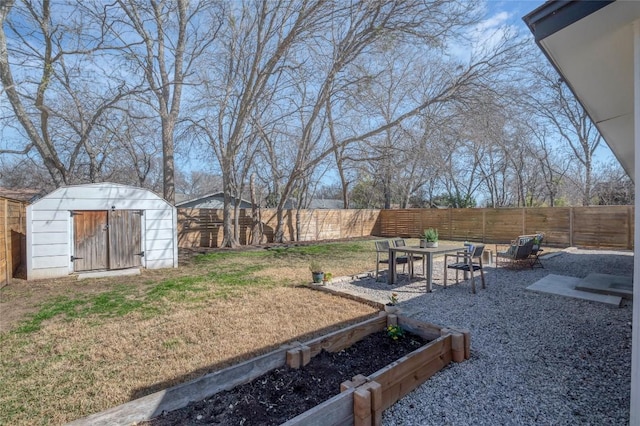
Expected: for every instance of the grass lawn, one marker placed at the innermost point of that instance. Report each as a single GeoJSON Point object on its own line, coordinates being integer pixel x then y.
{"type": "Point", "coordinates": [71, 348]}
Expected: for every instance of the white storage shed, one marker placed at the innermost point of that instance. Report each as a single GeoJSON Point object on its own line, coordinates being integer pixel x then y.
{"type": "Point", "coordinates": [98, 227]}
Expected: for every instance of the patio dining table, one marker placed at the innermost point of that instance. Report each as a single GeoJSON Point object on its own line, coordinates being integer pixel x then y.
{"type": "Point", "coordinates": [427, 254]}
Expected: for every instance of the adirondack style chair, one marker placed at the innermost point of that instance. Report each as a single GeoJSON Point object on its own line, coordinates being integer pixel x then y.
{"type": "Point", "coordinates": [519, 252]}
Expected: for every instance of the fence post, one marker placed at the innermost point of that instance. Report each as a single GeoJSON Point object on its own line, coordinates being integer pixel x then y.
{"type": "Point", "coordinates": [629, 222]}
{"type": "Point", "coordinates": [7, 235]}
{"type": "Point", "coordinates": [570, 226]}
{"type": "Point", "coordinates": [484, 219]}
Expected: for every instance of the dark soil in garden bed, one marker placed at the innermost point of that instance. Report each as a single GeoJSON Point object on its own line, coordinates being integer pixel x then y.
{"type": "Point", "coordinates": [284, 393]}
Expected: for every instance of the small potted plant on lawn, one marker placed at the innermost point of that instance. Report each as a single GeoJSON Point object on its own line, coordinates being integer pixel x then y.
{"type": "Point", "coordinates": [317, 274]}
{"type": "Point", "coordinates": [391, 307]}
{"type": "Point", "coordinates": [430, 237]}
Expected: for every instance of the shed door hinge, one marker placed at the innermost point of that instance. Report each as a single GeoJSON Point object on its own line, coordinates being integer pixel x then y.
{"type": "Point", "coordinates": [73, 258]}
{"type": "Point", "coordinates": [141, 254]}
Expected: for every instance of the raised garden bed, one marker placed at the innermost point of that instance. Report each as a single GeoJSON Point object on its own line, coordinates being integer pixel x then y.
{"type": "Point", "coordinates": [361, 400]}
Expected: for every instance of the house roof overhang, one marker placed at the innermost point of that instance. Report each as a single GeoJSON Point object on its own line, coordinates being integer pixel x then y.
{"type": "Point", "coordinates": [590, 43]}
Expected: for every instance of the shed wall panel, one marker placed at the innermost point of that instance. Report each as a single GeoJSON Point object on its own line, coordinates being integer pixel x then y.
{"type": "Point", "coordinates": [48, 272]}
{"type": "Point", "coordinates": [160, 224]}
{"type": "Point", "coordinates": [98, 204]}
{"type": "Point", "coordinates": [158, 244]}
{"type": "Point", "coordinates": [49, 226]}
{"type": "Point", "coordinates": [157, 254]}
{"type": "Point", "coordinates": [50, 249]}
{"type": "Point", "coordinates": [159, 264]}
{"type": "Point", "coordinates": [51, 261]}
{"type": "Point", "coordinates": [158, 234]}
{"type": "Point", "coordinates": [46, 238]}
{"type": "Point", "coordinates": [151, 215]}
{"type": "Point", "coordinates": [51, 215]}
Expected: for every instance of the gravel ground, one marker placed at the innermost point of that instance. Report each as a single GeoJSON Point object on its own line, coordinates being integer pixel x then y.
{"type": "Point", "coordinates": [536, 358]}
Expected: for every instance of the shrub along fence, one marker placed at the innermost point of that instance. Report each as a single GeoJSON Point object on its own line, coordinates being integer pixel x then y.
{"type": "Point", "coordinates": [609, 227]}
{"type": "Point", "coordinates": [12, 237]}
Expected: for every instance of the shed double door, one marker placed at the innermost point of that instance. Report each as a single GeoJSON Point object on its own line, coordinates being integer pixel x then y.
{"type": "Point", "coordinates": [107, 239]}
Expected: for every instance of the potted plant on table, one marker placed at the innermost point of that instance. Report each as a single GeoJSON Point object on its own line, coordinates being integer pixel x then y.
{"type": "Point", "coordinates": [391, 307]}
{"type": "Point", "coordinates": [430, 238]}
{"type": "Point", "coordinates": [317, 274]}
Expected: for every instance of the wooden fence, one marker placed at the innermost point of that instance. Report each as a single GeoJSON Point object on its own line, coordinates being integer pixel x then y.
{"type": "Point", "coordinates": [610, 227]}
{"type": "Point", "coordinates": [203, 227]}
{"type": "Point", "coordinates": [12, 237]}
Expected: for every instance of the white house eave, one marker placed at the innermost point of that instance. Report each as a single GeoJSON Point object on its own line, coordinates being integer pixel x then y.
{"type": "Point", "coordinates": [594, 55]}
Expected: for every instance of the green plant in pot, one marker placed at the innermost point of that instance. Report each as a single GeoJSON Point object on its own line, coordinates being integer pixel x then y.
{"type": "Point", "coordinates": [390, 307]}
{"type": "Point", "coordinates": [317, 274]}
{"type": "Point", "coordinates": [430, 237]}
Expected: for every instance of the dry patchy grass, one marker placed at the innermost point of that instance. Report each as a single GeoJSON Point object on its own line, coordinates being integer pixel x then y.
{"type": "Point", "coordinates": [69, 348]}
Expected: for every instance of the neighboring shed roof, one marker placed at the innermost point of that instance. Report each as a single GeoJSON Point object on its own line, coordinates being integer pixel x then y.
{"type": "Point", "coordinates": [211, 201]}
{"type": "Point", "coordinates": [326, 203]}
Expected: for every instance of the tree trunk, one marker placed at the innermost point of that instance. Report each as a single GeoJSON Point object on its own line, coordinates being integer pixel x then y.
{"type": "Point", "coordinates": [168, 166]}
{"type": "Point", "coordinates": [256, 222]}
{"type": "Point", "coordinates": [229, 239]}
{"type": "Point", "coordinates": [278, 235]}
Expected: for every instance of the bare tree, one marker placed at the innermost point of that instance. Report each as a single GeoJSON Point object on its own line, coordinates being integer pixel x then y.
{"type": "Point", "coordinates": [552, 166]}
{"type": "Point", "coordinates": [554, 102]}
{"type": "Point", "coordinates": [48, 67]}
{"type": "Point", "coordinates": [172, 36]}
{"type": "Point", "coordinates": [242, 84]}
{"type": "Point", "coordinates": [613, 187]}
{"type": "Point", "coordinates": [366, 25]}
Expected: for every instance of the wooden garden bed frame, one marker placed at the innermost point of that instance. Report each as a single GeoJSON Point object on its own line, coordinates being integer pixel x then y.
{"type": "Point", "coordinates": [361, 400]}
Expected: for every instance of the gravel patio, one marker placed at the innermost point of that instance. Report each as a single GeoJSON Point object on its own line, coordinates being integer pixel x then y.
{"type": "Point", "coordinates": [536, 358]}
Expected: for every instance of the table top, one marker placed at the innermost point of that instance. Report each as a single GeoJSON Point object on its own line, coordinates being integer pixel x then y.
{"type": "Point", "coordinates": [442, 248]}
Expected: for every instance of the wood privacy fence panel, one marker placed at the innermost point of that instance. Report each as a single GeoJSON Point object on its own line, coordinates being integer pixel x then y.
{"type": "Point", "coordinates": [203, 227]}
{"type": "Point", "coordinates": [502, 224]}
{"type": "Point", "coordinates": [595, 227]}
{"type": "Point", "coordinates": [466, 226]}
{"type": "Point", "coordinates": [12, 237]}
{"type": "Point", "coordinates": [554, 222]}
{"type": "Point", "coordinates": [592, 228]}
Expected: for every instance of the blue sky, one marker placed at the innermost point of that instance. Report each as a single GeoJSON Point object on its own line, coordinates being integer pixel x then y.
{"type": "Point", "coordinates": [497, 14]}
{"type": "Point", "coordinates": [510, 12]}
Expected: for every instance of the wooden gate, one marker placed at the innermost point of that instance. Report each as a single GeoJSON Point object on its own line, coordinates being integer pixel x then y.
{"type": "Point", "coordinates": [107, 239]}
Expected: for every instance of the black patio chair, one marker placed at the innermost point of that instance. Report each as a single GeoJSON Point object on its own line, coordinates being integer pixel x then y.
{"type": "Point", "coordinates": [468, 261]}
{"type": "Point", "coordinates": [382, 256]}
